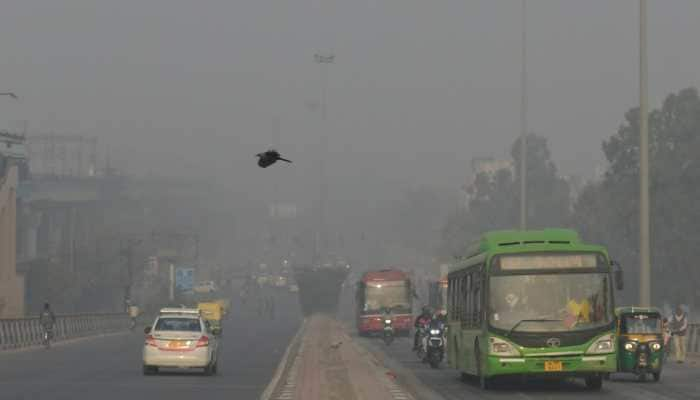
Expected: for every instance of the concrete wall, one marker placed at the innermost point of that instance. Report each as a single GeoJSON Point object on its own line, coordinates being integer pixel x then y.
{"type": "Point", "coordinates": [11, 284]}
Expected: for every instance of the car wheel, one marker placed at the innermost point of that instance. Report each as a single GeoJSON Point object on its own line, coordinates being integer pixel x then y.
{"type": "Point", "coordinates": [594, 382]}
{"type": "Point", "coordinates": [148, 370]}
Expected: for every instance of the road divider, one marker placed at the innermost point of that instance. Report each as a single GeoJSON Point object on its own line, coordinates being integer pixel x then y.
{"type": "Point", "coordinates": [325, 363]}
{"type": "Point", "coordinates": [25, 332]}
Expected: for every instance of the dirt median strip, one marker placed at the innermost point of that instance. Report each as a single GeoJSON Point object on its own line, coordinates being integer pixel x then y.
{"type": "Point", "coordinates": [327, 364]}
{"type": "Point", "coordinates": [403, 376]}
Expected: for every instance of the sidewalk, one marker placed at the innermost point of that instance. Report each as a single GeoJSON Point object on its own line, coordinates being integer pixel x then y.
{"type": "Point", "coordinates": [329, 365]}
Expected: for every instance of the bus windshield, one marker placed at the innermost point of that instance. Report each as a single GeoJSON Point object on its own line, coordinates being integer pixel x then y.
{"type": "Point", "coordinates": [379, 297]}
{"type": "Point", "coordinates": [550, 302]}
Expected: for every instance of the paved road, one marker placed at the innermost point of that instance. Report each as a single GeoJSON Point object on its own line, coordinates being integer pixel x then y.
{"type": "Point", "coordinates": [110, 367]}
{"type": "Point", "coordinates": [677, 382]}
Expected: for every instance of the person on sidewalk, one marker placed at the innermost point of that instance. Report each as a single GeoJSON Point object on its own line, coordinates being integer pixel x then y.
{"type": "Point", "coordinates": [679, 327]}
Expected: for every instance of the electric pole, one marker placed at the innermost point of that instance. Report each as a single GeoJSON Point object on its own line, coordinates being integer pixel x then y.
{"type": "Point", "coordinates": [644, 234]}
{"type": "Point", "coordinates": [323, 60]}
{"type": "Point", "coordinates": [523, 120]}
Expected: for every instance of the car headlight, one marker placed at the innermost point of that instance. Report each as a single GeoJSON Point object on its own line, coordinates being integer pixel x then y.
{"type": "Point", "coordinates": [387, 321]}
{"type": "Point", "coordinates": [603, 344]}
{"type": "Point", "coordinates": [656, 346]}
{"type": "Point", "coordinates": [434, 331]}
{"type": "Point", "coordinates": [502, 348]}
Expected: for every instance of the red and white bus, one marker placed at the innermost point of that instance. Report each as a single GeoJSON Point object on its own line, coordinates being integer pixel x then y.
{"type": "Point", "coordinates": [379, 290]}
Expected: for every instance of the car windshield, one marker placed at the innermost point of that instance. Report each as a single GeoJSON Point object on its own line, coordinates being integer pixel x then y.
{"type": "Point", "coordinates": [178, 324]}
{"type": "Point", "coordinates": [641, 324]}
{"type": "Point", "coordinates": [395, 297]}
{"type": "Point", "coordinates": [550, 302]}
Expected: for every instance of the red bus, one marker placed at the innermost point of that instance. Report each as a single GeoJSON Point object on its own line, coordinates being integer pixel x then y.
{"type": "Point", "coordinates": [377, 290]}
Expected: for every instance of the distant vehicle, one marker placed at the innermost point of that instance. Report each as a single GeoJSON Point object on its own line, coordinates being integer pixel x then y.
{"type": "Point", "coordinates": [180, 338]}
{"type": "Point", "coordinates": [205, 287]}
{"type": "Point", "coordinates": [211, 312]}
{"type": "Point", "coordinates": [280, 281]}
{"type": "Point", "coordinates": [379, 290]}
{"type": "Point", "coordinates": [294, 288]}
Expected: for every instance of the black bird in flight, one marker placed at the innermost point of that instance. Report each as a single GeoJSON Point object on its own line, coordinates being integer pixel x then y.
{"type": "Point", "coordinates": [269, 157]}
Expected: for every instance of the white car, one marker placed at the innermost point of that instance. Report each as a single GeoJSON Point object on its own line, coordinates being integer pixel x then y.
{"type": "Point", "coordinates": [180, 338]}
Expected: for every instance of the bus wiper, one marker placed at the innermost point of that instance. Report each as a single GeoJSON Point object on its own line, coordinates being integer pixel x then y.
{"type": "Point", "coordinates": [531, 320]}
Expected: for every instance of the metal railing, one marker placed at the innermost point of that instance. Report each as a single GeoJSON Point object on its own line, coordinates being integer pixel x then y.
{"type": "Point", "coordinates": [24, 332]}
{"type": "Point", "coordinates": [694, 338]}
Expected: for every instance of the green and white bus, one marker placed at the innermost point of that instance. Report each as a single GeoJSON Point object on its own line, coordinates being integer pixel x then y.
{"type": "Point", "coordinates": [533, 303]}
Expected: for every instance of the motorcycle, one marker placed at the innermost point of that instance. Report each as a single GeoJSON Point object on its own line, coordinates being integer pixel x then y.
{"type": "Point", "coordinates": [435, 345]}
{"type": "Point", "coordinates": [388, 331]}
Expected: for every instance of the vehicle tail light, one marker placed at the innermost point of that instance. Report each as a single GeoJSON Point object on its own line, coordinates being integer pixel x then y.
{"type": "Point", "coordinates": [203, 342]}
{"type": "Point", "coordinates": [151, 341]}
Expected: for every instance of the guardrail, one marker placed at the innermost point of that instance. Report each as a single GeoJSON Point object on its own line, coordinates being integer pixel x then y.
{"type": "Point", "coordinates": [694, 338]}
{"type": "Point", "coordinates": [24, 332]}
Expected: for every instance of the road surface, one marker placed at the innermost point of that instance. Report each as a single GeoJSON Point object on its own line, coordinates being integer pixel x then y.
{"type": "Point", "coordinates": [677, 382]}
{"type": "Point", "coordinates": [109, 367]}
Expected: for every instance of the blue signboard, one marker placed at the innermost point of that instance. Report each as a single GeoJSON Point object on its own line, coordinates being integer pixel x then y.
{"type": "Point", "coordinates": [184, 278]}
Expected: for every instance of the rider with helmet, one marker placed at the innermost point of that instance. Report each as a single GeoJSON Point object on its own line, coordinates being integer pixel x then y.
{"type": "Point", "coordinates": [421, 321]}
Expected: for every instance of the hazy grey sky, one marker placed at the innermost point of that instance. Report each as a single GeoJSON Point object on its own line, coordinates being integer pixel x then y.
{"type": "Point", "coordinates": [172, 84]}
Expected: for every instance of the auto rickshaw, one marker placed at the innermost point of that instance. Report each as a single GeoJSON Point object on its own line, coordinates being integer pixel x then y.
{"type": "Point", "coordinates": [225, 305]}
{"type": "Point", "coordinates": [212, 312]}
{"type": "Point", "coordinates": [640, 341]}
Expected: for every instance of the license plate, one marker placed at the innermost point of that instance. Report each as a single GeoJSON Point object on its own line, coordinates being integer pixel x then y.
{"type": "Point", "coordinates": [177, 344]}
{"type": "Point", "coordinates": [553, 366]}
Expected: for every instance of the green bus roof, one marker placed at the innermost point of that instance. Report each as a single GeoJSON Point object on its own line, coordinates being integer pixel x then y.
{"type": "Point", "coordinates": [514, 241]}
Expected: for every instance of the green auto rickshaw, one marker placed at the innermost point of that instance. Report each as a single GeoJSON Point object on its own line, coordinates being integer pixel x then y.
{"type": "Point", "coordinates": [640, 341]}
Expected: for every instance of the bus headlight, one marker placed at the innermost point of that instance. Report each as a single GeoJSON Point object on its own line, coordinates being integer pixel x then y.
{"type": "Point", "coordinates": [631, 346]}
{"type": "Point", "coordinates": [603, 344]}
{"type": "Point", "coordinates": [656, 346]}
{"type": "Point", "coordinates": [502, 348]}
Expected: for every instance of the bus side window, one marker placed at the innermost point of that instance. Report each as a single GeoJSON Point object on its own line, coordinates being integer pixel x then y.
{"type": "Point", "coordinates": [467, 299]}
{"type": "Point", "coordinates": [463, 298]}
{"type": "Point", "coordinates": [450, 299]}
{"type": "Point", "coordinates": [476, 299]}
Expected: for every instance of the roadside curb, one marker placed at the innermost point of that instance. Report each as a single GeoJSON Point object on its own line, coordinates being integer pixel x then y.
{"type": "Point", "coordinates": [284, 363]}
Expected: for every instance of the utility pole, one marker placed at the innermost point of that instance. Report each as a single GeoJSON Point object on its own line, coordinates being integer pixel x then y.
{"type": "Point", "coordinates": [523, 120]}
{"type": "Point", "coordinates": [644, 234]}
{"type": "Point", "coordinates": [323, 60]}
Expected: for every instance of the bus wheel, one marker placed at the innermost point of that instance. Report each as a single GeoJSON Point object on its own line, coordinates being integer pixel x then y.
{"type": "Point", "coordinates": [594, 382]}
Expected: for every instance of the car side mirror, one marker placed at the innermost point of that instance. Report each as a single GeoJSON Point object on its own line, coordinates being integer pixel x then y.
{"type": "Point", "coordinates": [216, 331]}
{"type": "Point", "coordinates": [619, 277]}
{"type": "Point", "coordinates": [147, 330]}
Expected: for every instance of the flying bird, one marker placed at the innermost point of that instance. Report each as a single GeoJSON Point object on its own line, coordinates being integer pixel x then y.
{"type": "Point", "coordinates": [269, 157]}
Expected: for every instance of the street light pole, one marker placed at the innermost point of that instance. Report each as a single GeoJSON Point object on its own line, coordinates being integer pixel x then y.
{"type": "Point", "coordinates": [523, 122]}
{"type": "Point", "coordinates": [644, 231]}
{"type": "Point", "coordinates": [323, 60]}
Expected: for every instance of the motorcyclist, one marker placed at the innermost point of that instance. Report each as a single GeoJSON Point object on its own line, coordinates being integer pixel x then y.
{"type": "Point", "coordinates": [422, 320]}
{"type": "Point", "coordinates": [47, 318]}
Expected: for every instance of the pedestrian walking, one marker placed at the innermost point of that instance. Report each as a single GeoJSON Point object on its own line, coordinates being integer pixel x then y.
{"type": "Point", "coordinates": [679, 327]}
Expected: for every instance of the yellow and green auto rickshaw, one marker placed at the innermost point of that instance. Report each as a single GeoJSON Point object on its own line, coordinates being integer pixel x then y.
{"type": "Point", "coordinates": [212, 312]}
{"type": "Point", "coordinates": [640, 341]}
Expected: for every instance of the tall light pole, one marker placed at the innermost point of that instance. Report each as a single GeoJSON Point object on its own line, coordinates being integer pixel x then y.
{"type": "Point", "coordinates": [644, 252]}
{"type": "Point", "coordinates": [323, 60]}
{"type": "Point", "coordinates": [523, 121]}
